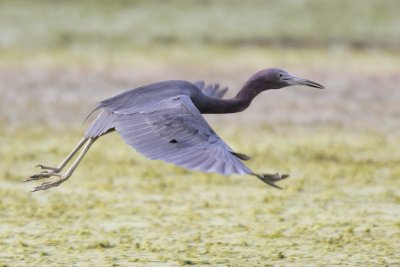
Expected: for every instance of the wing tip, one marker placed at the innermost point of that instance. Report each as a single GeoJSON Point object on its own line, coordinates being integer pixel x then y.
{"type": "Point", "coordinates": [240, 155]}
{"type": "Point", "coordinates": [271, 179]}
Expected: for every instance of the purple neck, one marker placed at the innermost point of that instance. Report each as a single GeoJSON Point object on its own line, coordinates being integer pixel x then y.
{"type": "Point", "coordinates": [240, 102]}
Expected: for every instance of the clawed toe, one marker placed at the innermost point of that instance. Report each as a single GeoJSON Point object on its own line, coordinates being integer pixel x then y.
{"type": "Point", "coordinates": [43, 167]}
{"type": "Point", "coordinates": [42, 175]}
{"type": "Point", "coordinates": [47, 173]}
{"type": "Point", "coordinates": [47, 185]}
{"type": "Point", "coordinates": [271, 179]}
{"type": "Point", "coordinates": [56, 171]}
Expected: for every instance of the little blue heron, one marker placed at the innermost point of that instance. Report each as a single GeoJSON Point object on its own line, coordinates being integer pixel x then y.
{"type": "Point", "coordinates": [163, 121]}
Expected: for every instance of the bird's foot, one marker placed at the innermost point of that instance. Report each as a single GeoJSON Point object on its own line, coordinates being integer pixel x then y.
{"type": "Point", "coordinates": [271, 179]}
{"type": "Point", "coordinates": [43, 167]}
{"type": "Point", "coordinates": [42, 175]}
{"type": "Point", "coordinates": [47, 185]}
{"type": "Point", "coordinates": [48, 172]}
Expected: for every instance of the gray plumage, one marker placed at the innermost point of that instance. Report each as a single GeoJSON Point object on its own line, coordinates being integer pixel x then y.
{"type": "Point", "coordinates": [169, 128]}
{"type": "Point", "coordinates": [164, 121]}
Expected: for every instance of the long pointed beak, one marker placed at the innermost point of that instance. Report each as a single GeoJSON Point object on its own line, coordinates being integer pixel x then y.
{"type": "Point", "coordinates": [293, 80]}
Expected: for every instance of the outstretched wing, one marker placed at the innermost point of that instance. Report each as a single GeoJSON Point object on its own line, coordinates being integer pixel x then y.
{"type": "Point", "coordinates": [174, 130]}
{"type": "Point", "coordinates": [211, 90]}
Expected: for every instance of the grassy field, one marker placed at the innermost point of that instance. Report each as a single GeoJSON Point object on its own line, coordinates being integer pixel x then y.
{"type": "Point", "coordinates": [341, 205]}
{"type": "Point", "coordinates": [45, 24]}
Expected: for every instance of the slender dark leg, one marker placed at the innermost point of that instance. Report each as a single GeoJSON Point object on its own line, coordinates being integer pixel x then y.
{"type": "Point", "coordinates": [63, 177]}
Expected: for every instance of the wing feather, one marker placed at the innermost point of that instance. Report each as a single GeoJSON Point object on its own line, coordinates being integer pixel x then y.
{"type": "Point", "coordinates": [211, 90]}
{"type": "Point", "coordinates": [175, 131]}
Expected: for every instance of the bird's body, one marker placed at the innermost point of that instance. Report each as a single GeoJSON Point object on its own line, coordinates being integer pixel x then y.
{"type": "Point", "coordinates": [163, 121]}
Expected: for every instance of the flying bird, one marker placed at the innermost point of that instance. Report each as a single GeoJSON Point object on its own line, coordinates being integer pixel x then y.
{"type": "Point", "coordinates": [164, 121]}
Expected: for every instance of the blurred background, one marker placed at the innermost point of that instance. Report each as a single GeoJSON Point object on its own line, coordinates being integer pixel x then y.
{"type": "Point", "coordinates": [341, 144]}
{"type": "Point", "coordinates": [60, 58]}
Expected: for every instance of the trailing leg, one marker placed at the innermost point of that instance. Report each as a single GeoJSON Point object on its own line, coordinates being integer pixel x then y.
{"type": "Point", "coordinates": [53, 171]}
{"type": "Point", "coordinates": [63, 177]}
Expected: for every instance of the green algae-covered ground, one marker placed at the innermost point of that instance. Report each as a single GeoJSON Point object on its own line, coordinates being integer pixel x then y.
{"type": "Point", "coordinates": [340, 206]}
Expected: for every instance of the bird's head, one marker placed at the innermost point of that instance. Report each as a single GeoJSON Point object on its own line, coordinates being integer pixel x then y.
{"type": "Point", "coordinates": [274, 78]}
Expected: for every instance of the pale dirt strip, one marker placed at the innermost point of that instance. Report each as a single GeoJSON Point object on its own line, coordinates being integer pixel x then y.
{"type": "Point", "coordinates": [66, 96]}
